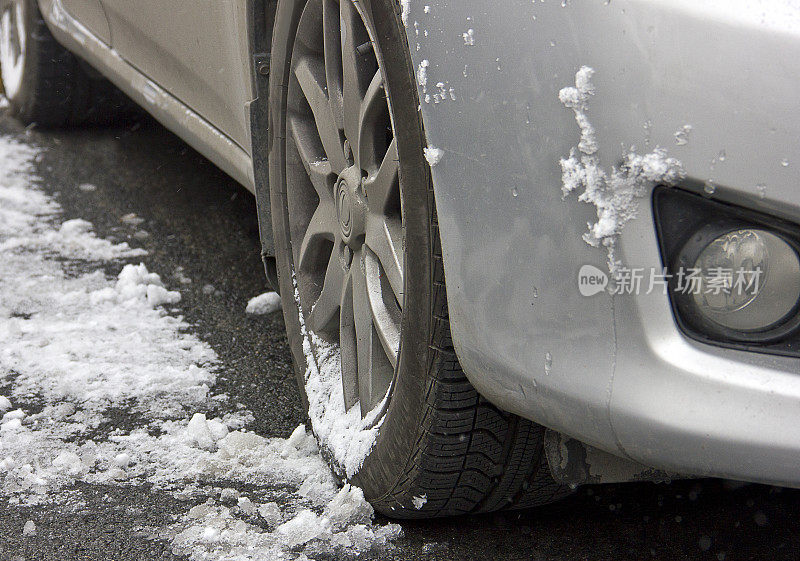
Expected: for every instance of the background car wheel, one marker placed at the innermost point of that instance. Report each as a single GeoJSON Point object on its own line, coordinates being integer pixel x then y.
{"type": "Point", "coordinates": [46, 84]}
{"type": "Point", "coordinates": [355, 227]}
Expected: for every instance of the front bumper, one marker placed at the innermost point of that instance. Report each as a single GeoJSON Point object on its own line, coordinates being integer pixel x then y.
{"type": "Point", "coordinates": [614, 372]}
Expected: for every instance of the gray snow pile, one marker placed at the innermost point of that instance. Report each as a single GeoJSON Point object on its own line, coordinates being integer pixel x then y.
{"type": "Point", "coordinates": [614, 193]}
{"type": "Point", "coordinates": [75, 345]}
{"type": "Point", "coordinates": [264, 304]}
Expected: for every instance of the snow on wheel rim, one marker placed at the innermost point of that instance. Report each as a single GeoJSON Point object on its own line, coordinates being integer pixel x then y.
{"type": "Point", "coordinates": [12, 46]}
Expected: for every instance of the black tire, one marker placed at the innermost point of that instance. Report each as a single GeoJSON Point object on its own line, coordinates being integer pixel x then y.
{"type": "Point", "coordinates": [56, 88]}
{"type": "Point", "coordinates": [440, 440]}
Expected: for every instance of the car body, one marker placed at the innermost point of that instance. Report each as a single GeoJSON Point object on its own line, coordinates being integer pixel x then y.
{"type": "Point", "coordinates": [615, 372]}
{"type": "Point", "coordinates": [623, 376]}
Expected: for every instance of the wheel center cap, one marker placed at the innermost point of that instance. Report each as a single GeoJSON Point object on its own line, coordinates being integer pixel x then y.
{"type": "Point", "coordinates": [345, 210]}
{"type": "Point", "coordinates": [350, 205]}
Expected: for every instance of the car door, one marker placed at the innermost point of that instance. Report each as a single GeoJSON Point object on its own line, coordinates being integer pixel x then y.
{"type": "Point", "coordinates": [196, 50]}
{"type": "Point", "coordinates": [90, 13]}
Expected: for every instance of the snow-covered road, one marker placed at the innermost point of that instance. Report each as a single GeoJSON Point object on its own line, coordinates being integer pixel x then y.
{"type": "Point", "coordinates": [76, 344]}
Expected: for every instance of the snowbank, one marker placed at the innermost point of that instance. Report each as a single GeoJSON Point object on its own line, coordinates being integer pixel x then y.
{"type": "Point", "coordinates": [79, 344]}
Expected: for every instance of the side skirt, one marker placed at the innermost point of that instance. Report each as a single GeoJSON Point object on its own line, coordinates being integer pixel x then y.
{"type": "Point", "coordinates": [168, 110]}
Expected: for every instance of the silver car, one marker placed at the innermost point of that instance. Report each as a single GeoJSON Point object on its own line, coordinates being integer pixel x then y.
{"type": "Point", "coordinates": [520, 247]}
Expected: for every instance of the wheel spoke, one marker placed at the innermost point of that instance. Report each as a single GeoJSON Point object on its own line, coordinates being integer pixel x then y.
{"type": "Point", "coordinates": [19, 39]}
{"type": "Point", "coordinates": [327, 305]}
{"type": "Point", "coordinates": [375, 372]}
{"type": "Point", "coordinates": [321, 227]}
{"type": "Point", "coordinates": [319, 171]}
{"type": "Point", "coordinates": [385, 240]}
{"type": "Point", "coordinates": [348, 352]}
{"type": "Point", "coordinates": [383, 186]}
{"type": "Point", "coordinates": [353, 88]}
{"type": "Point", "coordinates": [310, 74]}
{"type": "Point", "coordinates": [373, 119]}
{"type": "Point", "coordinates": [333, 59]}
{"type": "Point", "coordinates": [385, 315]}
{"type": "Point", "coordinates": [5, 29]}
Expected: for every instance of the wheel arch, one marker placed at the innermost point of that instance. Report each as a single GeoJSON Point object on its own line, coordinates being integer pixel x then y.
{"type": "Point", "coordinates": [511, 247]}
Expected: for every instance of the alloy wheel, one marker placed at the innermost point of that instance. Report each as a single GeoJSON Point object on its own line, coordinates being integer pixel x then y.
{"type": "Point", "coordinates": [12, 45]}
{"type": "Point", "coordinates": [344, 198]}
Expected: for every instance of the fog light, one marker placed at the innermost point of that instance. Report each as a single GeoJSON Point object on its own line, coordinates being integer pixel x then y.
{"type": "Point", "coordinates": [749, 280]}
{"type": "Point", "coordinates": [749, 268]}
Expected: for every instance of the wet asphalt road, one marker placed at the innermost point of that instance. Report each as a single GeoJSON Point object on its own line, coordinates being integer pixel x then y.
{"type": "Point", "coordinates": [199, 219]}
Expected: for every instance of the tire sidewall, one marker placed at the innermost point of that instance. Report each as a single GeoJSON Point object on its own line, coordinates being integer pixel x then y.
{"type": "Point", "coordinates": [287, 16]}
{"type": "Point", "coordinates": [392, 455]}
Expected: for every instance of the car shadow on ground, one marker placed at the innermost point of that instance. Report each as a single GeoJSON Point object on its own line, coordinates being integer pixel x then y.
{"type": "Point", "coordinates": [701, 519]}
